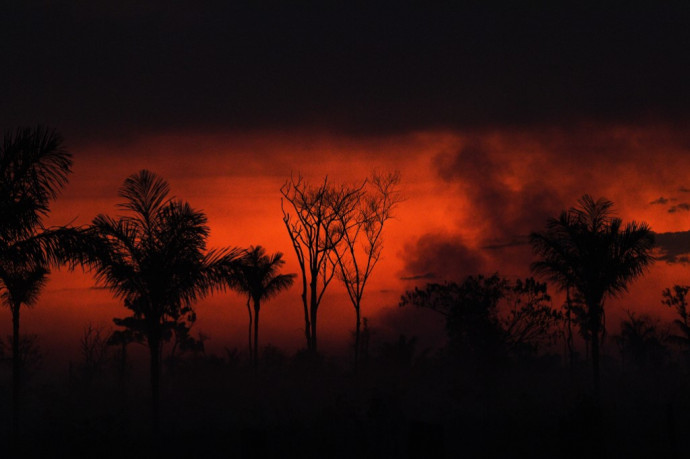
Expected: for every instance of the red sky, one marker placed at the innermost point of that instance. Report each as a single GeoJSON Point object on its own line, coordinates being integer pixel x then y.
{"type": "Point", "coordinates": [470, 200]}
{"type": "Point", "coordinates": [497, 117]}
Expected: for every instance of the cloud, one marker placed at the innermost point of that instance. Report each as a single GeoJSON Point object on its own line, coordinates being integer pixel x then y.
{"type": "Point", "coordinates": [440, 257]}
{"type": "Point", "coordinates": [684, 206]}
{"type": "Point", "coordinates": [674, 246]}
{"type": "Point", "coordinates": [519, 241]}
{"type": "Point", "coordinates": [507, 185]}
{"type": "Point", "coordinates": [508, 202]}
{"type": "Point", "coordinates": [429, 276]}
{"type": "Point", "coordinates": [502, 203]}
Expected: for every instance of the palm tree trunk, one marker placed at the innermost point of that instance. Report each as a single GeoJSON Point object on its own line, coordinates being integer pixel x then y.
{"type": "Point", "coordinates": [257, 308]}
{"type": "Point", "coordinates": [594, 325]}
{"type": "Point", "coordinates": [569, 337]}
{"type": "Point", "coordinates": [249, 310]}
{"type": "Point", "coordinates": [595, 364]}
{"type": "Point", "coordinates": [595, 311]}
{"type": "Point", "coordinates": [16, 369]}
{"type": "Point", "coordinates": [123, 368]}
{"type": "Point", "coordinates": [154, 350]}
{"type": "Point", "coordinates": [597, 433]}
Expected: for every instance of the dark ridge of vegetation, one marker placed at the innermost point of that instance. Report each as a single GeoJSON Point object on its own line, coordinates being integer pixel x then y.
{"type": "Point", "coordinates": [402, 402]}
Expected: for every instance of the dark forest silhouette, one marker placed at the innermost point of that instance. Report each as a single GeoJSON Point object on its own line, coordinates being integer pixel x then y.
{"type": "Point", "coordinates": [491, 318]}
{"type": "Point", "coordinates": [509, 382]}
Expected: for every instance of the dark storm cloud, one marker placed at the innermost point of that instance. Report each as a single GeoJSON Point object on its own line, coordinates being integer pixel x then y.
{"type": "Point", "coordinates": [674, 247]}
{"type": "Point", "coordinates": [506, 200]}
{"type": "Point", "coordinates": [506, 211]}
{"type": "Point", "coordinates": [97, 69]}
{"type": "Point", "coordinates": [662, 200]}
{"type": "Point", "coordinates": [436, 257]}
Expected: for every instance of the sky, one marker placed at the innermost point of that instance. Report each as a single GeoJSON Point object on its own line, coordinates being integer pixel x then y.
{"type": "Point", "coordinates": [497, 117]}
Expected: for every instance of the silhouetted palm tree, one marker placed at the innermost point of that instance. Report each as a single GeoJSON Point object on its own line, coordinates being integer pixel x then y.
{"type": "Point", "coordinates": [34, 166]}
{"type": "Point", "coordinates": [590, 251]}
{"type": "Point", "coordinates": [257, 276]}
{"type": "Point", "coordinates": [22, 286]}
{"type": "Point", "coordinates": [155, 259]}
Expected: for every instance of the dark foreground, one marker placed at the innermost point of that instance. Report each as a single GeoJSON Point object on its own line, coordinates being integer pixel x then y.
{"type": "Point", "coordinates": [396, 407]}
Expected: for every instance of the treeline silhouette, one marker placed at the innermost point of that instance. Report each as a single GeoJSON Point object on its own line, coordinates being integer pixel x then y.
{"type": "Point", "coordinates": [519, 377]}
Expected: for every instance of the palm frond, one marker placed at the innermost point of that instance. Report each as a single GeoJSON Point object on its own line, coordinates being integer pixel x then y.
{"type": "Point", "coordinates": [144, 194]}
{"type": "Point", "coordinates": [22, 284]}
{"type": "Point", "coordinates": [278, 284]}
{"type": "Point", "coordinates": [257, 274]}
{"type": "Point", "coordinates": [155, 256]}
{"type": "Point", "coordinates": [35, 161]}
{"type": "Point", "coordinates": [593, 252]}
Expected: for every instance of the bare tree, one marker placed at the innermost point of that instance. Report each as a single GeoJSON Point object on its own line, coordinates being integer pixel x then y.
{"type": "Point", "coordinates": [677, 297]}
{"type": "Point", "coordinates": [361, 241]}
{"type": "Point", "coordinates": [93, 347]}
{"type": "Point", "coordinates": [313, 217]}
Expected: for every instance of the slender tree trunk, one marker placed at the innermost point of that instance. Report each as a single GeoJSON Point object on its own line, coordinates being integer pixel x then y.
{"type": "Point", "coordinates": [595, 363]}
{"type": "Point", "coordinates": [123, 368]}
{"type": "Point", "coordinates": [257, 308]}
{"type": "Point", "coordinates": [155, 369]}
{"type": "Point", "coordinates": [314, 348]}
{"type": "Point", "coordinates": [312, 312]}
{"type": "Point", "coordinates": [307, 324]}
{"type": "Point", "coordinates": [364, 343]}
{"type": "Point", "coordinates": [594, 329]}
{"type": "Point", "coordinates": [595, 316]}
{"type": "Point", "coordinates": [307, 329]}
{"type": "Point", "coordinates": [595, 325]}
{"type": "Point", "coordinates": [249, 310]}
{"type": "Point", "coordinates": [357, 334]}
{"type": "Point", "coordinates": [16, 370]}
{"type": "Point", "coordinates": [569, 337]}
